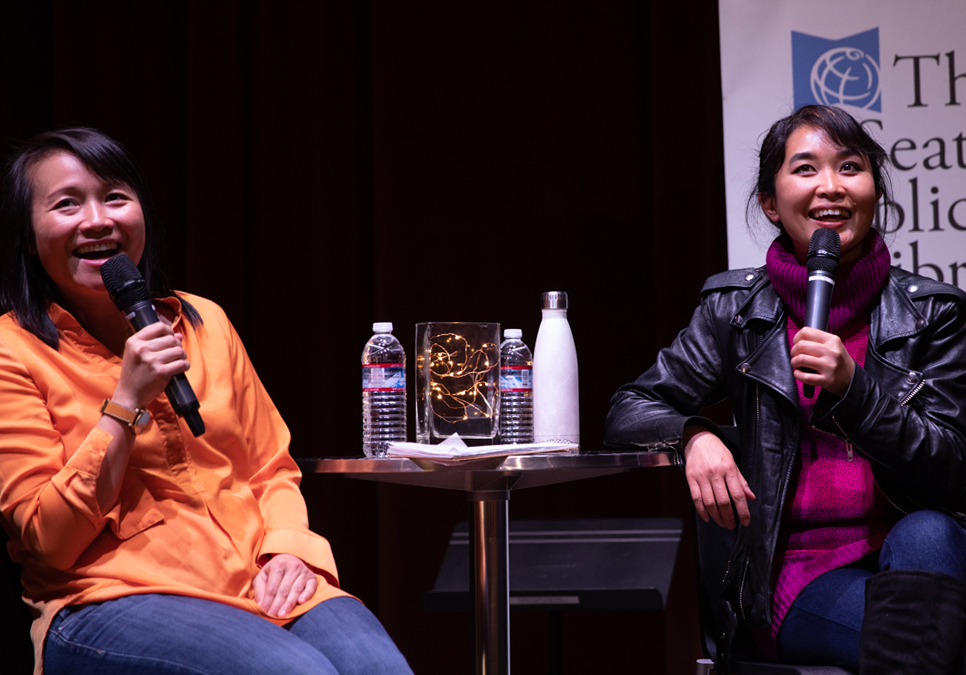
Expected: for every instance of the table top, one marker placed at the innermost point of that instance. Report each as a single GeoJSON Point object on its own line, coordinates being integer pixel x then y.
{"type": "Point", "coordinates": [497, 474]}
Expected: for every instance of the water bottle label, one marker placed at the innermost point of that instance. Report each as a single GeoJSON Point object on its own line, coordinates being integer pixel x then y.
{"type": "Point", "coordinates": [383, 377]}
{"type": "Point", "coordinates": [516, 378]}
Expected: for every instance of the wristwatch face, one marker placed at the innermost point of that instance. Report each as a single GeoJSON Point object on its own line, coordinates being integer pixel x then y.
{"type": "Point", "coordinates": [142, 422]}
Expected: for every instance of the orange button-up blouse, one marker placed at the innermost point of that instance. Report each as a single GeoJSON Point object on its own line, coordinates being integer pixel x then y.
{"type": "Point", "coordinates": [196, 516]}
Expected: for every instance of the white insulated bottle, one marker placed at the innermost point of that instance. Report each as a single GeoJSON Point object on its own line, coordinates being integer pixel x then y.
{"type": "Point", "coordinates": [556, 405]}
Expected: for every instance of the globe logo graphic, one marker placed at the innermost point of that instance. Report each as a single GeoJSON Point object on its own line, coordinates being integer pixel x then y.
{"type": "Point", "coordinates": [846, 76]}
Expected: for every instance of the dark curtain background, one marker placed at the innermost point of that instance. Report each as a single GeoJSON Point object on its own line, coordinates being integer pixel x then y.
{"type": "Point", "coordinates": [324, 164]}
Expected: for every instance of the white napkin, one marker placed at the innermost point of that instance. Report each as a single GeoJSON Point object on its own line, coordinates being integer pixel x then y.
{"type": "Point", "coordinates": [454, 450]}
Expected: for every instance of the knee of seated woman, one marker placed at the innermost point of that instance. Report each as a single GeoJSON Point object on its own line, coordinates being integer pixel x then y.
{"type": "Point", "coordinates": [926, 540]}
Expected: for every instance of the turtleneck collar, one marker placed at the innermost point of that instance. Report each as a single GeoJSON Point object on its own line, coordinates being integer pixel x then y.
{"type": "Point", "coordinates": [857, 283]}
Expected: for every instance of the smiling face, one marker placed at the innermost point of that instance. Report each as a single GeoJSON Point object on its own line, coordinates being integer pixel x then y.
{"type": "Point", "coordinates": [820, 185]}
{"type": "Point", "coordinates": [79, 221]}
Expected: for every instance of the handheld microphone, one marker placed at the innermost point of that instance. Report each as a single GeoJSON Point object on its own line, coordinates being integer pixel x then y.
{"type": "Point", "coordinates": [129, 292]}
{"type": "Point", "coordinates": [822, 263]}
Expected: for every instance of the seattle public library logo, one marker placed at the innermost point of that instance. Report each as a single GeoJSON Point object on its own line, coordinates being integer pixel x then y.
{"type": "Point", "coordinates": [837, 72]}
{"type": "Point", "coordinates": [845, 76]}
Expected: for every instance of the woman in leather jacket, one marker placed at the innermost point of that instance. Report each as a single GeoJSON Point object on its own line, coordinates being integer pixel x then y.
{"type": "Point", "coordinates": [847, 505]}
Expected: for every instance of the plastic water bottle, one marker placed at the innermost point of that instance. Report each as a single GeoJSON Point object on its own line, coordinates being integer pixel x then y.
{"type": "Point", "coordinates": [556, 405]}
{"type": "Point", "coordinates": [516, 389]}
{"type": "Point", "coordinates": [383, 391]}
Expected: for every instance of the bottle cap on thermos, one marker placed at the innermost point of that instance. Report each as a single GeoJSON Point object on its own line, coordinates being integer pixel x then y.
{"type": "Point", "coordinates": [554, 300]}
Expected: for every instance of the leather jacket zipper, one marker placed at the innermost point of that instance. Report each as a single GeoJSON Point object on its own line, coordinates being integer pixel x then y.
{"type": "Point", "coordinates": [757, 406]}
{"type": "Point", "coordinates": [913, 392]}
{"type": "Point", "coordinates": [889, 499]}
{"type": "Point", "coordinates": [744, 573]}
{"type": "Point", "coordinates": [845, 437]}
{"type": "Point", "coordinates": [848, 440]}
{"type": "Point", "coordinates": [741, 590]}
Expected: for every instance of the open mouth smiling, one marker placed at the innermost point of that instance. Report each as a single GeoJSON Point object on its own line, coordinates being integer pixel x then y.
{"type": "Point", "coordinates": [830, 214]}
{"type": "Point", "coordinates": [100, 251]}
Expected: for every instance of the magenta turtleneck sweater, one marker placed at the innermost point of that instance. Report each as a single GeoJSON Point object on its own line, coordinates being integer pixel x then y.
{"type": "Point", "coordinates": [834, 514]}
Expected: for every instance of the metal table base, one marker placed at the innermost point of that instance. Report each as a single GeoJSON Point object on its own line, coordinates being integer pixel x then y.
{"type": "Point", "coordinates": [488, 484]}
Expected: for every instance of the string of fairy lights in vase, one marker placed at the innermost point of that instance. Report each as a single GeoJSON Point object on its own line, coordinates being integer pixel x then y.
{"type": "Point", "coordinates": [461, 377]}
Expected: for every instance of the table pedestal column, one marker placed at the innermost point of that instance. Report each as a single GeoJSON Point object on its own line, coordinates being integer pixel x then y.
{"type": "Point", "coordinates": [490, 581]}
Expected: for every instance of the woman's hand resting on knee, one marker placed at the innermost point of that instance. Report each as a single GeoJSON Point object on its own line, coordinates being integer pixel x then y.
{"type": "Point", "coordinates": [714, 479]}
{"type": "Point", "coordinates": [284, 582]}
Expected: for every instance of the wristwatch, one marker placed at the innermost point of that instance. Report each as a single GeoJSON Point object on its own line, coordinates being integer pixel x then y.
{"type": "Point", "coordinates": [137, 419]}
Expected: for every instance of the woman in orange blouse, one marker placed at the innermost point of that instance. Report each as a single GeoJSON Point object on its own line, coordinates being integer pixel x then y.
{"type": "Point", "coordinates": [146, 549]}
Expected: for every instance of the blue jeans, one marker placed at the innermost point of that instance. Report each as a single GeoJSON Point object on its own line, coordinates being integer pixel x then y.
{"type": "Point", "coordinates": [824, 623]}
{"type": "Point", "coordinates": [174, 635]}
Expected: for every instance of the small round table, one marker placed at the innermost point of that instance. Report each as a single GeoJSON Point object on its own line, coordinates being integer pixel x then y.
{"type": "Point", "coordinates": [487, 483]}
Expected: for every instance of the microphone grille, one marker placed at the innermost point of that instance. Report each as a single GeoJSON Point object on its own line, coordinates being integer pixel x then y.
{"type": "Point", "coordinates": [824, 248]}
{"type": "Point", "coordinates": [123, 281]}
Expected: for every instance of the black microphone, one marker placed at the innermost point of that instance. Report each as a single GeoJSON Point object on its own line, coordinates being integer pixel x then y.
{"type": "Point", "coordinates": [129, 292]}
{"type": "Point", "coordinates": [822, 263]}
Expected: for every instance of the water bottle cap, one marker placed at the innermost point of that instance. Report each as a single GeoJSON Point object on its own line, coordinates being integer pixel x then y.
{"type": "Point", "coordinates": [554, 300]}
{"type": "Point", "coordinates": [382, 327]}
{"type": "Point", "coordinates": [513, 333]}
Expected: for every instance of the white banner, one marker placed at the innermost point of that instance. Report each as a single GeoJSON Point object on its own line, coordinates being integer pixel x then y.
{"type": "Point", "coordinates": [896, 65]}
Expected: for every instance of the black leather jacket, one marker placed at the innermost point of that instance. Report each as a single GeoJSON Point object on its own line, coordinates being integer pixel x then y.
{"type": "Point", "coordinates": [904, 411]}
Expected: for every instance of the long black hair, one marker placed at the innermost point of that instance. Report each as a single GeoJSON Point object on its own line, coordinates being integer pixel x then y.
{"type": "Point", "coordinates": [25, 288]}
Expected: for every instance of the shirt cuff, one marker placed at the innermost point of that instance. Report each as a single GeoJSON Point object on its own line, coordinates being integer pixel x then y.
{"type": "Point", "coordinates": [309, 547]}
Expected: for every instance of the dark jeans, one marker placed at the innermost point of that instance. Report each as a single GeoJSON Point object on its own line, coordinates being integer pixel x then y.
{"type": "Point", "coordinates": [169, 634]}
{"type": "Point", "coordinates": [824, 623]}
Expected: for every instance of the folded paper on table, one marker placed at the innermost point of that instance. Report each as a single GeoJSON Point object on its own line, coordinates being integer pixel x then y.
{"type": "Point", "coordinates": [453, 451]}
